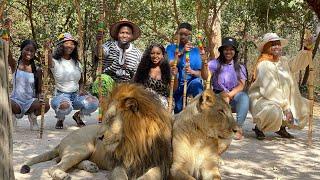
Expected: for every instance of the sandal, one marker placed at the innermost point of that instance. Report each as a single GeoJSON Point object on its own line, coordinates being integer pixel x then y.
{"type": "Point", "coordinates": [78, 120]}
{"type": "Point", "coordinates": [238, 135]}
{"type": "Point", "coordinates": [59, 124]}
{"type": "Point", "coordinates": [284, 133]}
{"type": "Point", "coordinates": [259, 134]}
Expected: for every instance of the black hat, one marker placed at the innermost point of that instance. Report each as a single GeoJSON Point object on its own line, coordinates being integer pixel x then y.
{"type": "Point", "coordinates": [228, 41]}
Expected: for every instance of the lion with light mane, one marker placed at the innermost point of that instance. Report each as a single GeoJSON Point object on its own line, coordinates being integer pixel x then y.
{"type": "Point", "coordinates": [134, 140]}
{"type": "Point", "coordinates": [201, 132]}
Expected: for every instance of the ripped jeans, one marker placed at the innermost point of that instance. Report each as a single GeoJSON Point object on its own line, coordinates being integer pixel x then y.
{"type": "Point", "coordinates": [75, 101]}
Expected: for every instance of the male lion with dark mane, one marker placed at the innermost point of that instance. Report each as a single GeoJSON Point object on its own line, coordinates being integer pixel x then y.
{"type": "Point", "coordinates": [134, 141]}
{"type": "Point", "coordinates": [201, 132]}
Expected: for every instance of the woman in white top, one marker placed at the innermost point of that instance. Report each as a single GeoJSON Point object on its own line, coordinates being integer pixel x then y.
{"type": "Point", "coordinates": [69, 90]}
{"type": "Point", "coordinates": [275, 100]}
{"type": "Point", "coordinates": [25, 96]}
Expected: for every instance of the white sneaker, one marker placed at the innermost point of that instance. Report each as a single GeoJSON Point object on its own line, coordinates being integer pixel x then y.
{"type": "Point", "coordinates": [33, 122]}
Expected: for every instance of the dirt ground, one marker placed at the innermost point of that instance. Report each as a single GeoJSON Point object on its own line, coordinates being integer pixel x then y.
{"type": "Point", "coordinates": [273, 158]}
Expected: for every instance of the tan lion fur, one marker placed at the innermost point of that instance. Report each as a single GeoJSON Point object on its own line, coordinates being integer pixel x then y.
{"type": "Point", "coordinates": [135, 137]}
{"type": "Point", "coordinates": [201, 133]}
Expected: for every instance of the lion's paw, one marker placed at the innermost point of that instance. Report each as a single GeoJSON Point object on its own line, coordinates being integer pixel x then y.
{"type": "Point", "coordinates": [58, 174]}
{"type": "Point", "coordinates": [88, 166]}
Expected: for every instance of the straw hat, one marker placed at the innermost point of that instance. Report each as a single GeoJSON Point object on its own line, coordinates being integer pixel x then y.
{"type": "Point", "coordinates": [271, 37]}
{"type": "Point", "coordinates": [114, 29]}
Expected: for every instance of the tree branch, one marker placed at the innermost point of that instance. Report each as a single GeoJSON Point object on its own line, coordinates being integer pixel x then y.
{"type": "Point", "coordinates": [176, 13]}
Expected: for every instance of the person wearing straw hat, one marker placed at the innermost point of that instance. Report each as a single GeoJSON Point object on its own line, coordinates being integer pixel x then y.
{"type": "Point", "coordinates": [193, 70]}
{"type": "Point", "coordinates": [229, 78]}
{"type": "Point", "coordinates": [275, 100]}
{"type": "Point", "coordinates": [120, 57]}
{"type": "Point", "coordinates": [69, 90]}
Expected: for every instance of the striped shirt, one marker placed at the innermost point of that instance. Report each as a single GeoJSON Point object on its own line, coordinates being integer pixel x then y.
{"type": "Point", "coordinates": [120, 65]}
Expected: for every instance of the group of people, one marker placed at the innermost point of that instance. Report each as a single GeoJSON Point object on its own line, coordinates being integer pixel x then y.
{"type": "Point", "coordinates": [273, 97]}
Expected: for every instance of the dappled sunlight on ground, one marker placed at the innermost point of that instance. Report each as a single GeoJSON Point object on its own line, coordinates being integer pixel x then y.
{"type": "Point", "coordinates": [273, 158]}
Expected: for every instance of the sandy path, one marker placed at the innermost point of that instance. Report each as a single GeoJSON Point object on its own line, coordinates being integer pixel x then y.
{"type": "Point", "coordinates": [274, 158]}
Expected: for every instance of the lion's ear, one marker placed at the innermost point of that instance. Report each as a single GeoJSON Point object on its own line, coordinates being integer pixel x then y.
{"type": "Point", "coordinates": [207, 99]}
{"type": "Point", "coordinates": [132, 104]}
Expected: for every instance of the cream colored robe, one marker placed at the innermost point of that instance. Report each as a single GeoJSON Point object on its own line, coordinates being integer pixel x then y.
{"type": "Point", "coordinates": [275, 90]}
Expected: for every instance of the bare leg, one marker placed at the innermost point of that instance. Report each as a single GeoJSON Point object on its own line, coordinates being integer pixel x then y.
{"type": "Point", "coordinates": [15, 108]}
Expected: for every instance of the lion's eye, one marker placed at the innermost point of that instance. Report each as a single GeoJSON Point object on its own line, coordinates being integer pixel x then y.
{"type": "Point", "coordinates": [221, 111]}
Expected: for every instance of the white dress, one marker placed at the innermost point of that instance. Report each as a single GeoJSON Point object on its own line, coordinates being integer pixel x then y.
{"type": "Point", "coordinates": [276, 90]}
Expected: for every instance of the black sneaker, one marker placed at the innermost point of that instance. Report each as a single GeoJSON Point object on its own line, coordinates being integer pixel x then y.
{"type": "Point", "coordinates": [259, 134]}
{"type": "Point", "coordinates": [284, 133]}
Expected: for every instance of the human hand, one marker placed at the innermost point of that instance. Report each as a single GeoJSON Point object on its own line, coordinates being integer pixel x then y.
{"type": "Point", "coordinates": [188, 46]}
{"type": "Point", "coordinates": [100, 35]}
{"type": "Point", "coordinates": [47, 44]}
{"type": "Point", "coordinates": [189, 70]}
{"type": "Point", "coordinates": [308, 40]}
{"type": "Point", "coordinates": [288, 115]}
{"type": "Point", "coordinates": [225, 96]}
{"type": "Point", "coordinates": [174, 69]}
{"type": "Point", "coordinates": [82, 92]}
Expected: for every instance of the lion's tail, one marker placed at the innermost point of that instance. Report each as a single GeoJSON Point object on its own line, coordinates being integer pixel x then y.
{"type": "Point", "coordinates": [40, 158]}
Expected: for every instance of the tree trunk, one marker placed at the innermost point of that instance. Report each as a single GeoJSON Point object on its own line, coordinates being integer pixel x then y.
{"type": "Point", "coordinates": [6, 150]}
{"type": "Point", "coordinates": [215, 35]}
{"type": "Point", "coordinates": [29, 6]}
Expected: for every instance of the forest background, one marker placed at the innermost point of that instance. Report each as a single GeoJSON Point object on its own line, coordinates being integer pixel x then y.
{"type": "Point", "coordinates": [246, 20]}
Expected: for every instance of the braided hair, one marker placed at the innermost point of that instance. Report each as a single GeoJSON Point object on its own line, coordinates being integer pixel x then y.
{"type": "Point", "coordinates": [32, 63]}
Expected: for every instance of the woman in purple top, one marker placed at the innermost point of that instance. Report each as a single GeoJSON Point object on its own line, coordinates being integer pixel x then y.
{"type": "Point", "coordinates": [229, 79]}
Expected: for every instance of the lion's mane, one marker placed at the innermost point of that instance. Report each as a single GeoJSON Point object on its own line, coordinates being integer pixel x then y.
{"type": "Point", "coordinates": [146, 138]}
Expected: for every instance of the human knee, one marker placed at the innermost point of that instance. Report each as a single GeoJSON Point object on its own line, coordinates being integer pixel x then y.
{"type": "Point", "coordinates": [90, 104]}
{"type": "Point", "coordinates": [64, 105]}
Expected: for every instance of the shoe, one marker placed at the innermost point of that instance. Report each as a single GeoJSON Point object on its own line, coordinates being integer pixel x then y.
{"type": "Point", "coordinates": [259, 134]}
{"type": "Point", "coordinates": [76, 117]}
{"type": "Point", "coordinates": [284, 133]}
{"type": "Point", "coordinates": [33, 122]}
{"type": "Point", "coordinates": [59, 124]}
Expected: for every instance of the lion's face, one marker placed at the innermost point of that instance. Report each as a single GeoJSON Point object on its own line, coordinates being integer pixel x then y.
{"type": "Point", "coordinates": [216, 115]}
{"type": "Point", "coordinates": [139, 123]}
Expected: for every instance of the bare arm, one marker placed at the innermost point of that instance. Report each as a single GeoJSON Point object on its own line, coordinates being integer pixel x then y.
{"type": "Point", "coordinates": [12, 62]}
{"type": "Point", "coordinates": [237, 89]}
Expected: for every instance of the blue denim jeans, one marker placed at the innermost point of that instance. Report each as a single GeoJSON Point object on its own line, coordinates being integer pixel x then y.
{"type": "Point", "coordinates": [240, 103]}
{"type": "Point", "coordinates": [194, 87]}
{"type": "Point", "coordinates": [75, 101]}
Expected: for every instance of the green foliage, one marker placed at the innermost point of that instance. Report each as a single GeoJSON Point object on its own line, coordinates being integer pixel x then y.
{"type": "Point", "coordinates": [244, 19]}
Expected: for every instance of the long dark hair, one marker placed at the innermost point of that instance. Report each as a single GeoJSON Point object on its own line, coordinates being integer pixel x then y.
{"type": "Point", "coordinates": [32, 63]}
{"type": "Point", "coordinates": [59, 50]}
{"type": "Point", "coordinates": [146, 64]}
{"type": "Point", "coordinates": [222, 60]}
